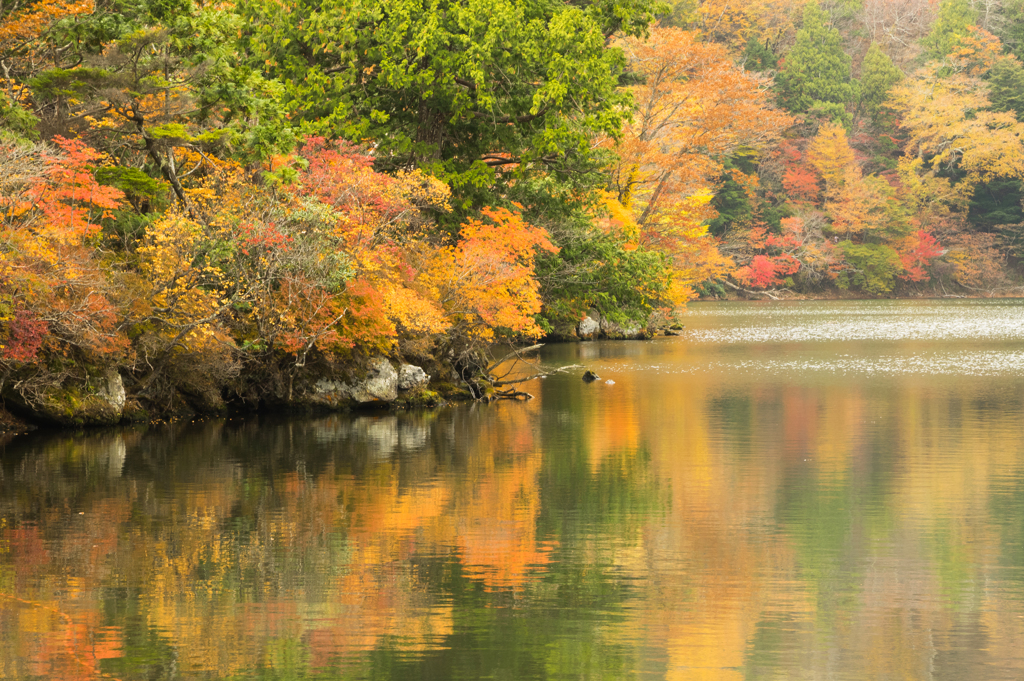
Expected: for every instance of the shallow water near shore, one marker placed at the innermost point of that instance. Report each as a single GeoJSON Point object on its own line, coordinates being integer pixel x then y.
{"type": "Point", "coordinates": [811, 490]}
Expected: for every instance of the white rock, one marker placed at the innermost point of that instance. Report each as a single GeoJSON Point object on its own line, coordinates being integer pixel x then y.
{"type": "Point", "coordinates": [411, 377]}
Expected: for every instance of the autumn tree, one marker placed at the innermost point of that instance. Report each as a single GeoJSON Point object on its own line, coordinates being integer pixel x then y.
{"type": "Point", "coordinates": [950, 124]}
{"type": "Point", "coordinates": [695, 108]}
{"type": "Point", "coordinates": [148, 83]}
{"type": "Point", "coordinates": [55, 293]}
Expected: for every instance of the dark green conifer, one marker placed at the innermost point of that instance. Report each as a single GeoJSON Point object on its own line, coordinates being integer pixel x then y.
{"type": "Point", "coordinates": [815, 75]}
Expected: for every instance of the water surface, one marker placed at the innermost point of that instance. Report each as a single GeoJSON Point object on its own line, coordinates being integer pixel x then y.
{"type": "Point", "coordinates": [787, 491]}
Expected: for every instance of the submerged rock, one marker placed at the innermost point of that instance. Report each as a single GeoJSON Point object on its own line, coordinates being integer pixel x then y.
{"type": "Point", "coordinates": [589, 376]}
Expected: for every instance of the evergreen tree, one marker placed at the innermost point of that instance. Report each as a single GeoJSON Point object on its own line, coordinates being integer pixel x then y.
{"type": "Point", "coordinates": [758, 56]}
{"type": "Point", "coordinates": [878, 75]}
{"type": "Point", "coordinates": [1011, 28]}
{"type": "Point", "coordinates": [954, 18]}
{"type": "Point", "coordinates": [815, 76]}
{"type": "Point", "coordinates": [1006, 78]}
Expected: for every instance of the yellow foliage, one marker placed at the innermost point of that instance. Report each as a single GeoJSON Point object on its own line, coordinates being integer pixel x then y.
{"type": "Point", "coordinates": [682, 232]}
{"type": "Point", "coordinates": [832, 157]}
{"type": "Point", "coordinates": [186, 294]}
{"type": "Point", "coordinates": [620, 218]}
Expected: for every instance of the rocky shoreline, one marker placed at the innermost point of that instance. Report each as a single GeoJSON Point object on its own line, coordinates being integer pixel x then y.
{"type": "Point", "coordinates": [94, 397]}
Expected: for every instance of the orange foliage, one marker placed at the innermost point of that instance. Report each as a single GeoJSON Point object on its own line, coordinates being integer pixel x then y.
{"type": "Point", "coordinates": [51, 282]}
{"type": "Point", "coordinates": [695, 108]}
{"type": "Point", "coordinates": [27, 24]}
{"type": "Point", "coordinates": [976, 52]}
{"type": "Point", "coordinates": [486, 282]}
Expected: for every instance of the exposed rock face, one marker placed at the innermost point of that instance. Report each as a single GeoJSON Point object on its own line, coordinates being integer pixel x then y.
{"type": "Point", "coordinates": [411, 378]}
{"type": "Point", "coordinates": [328, 393]}
{"type": "Point", "coordinates": [100, 402]}
{"type": "Point", "coordinates": [111, 391]}
{"type": "Point", "coordinates": [594, 326]}
{"type": "Point", "coordinates": [380, 385]}
{"type": "Point", "coordinates": [588, 328]}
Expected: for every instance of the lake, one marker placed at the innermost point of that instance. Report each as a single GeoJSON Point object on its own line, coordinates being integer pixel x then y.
{"type": "Point", "coordinates": [807, 490]}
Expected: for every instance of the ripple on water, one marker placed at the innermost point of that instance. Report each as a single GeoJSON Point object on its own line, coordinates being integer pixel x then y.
{"type": "Point", "coordinates": [872, 320]}
{"type": "Point", "coordinates": [989, 363]}
{"type": "Point", "coordinates": [859, 338]}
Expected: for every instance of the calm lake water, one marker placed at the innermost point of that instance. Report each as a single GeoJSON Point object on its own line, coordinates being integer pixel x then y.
{"type": "Point", "coordinates": [787, 491]}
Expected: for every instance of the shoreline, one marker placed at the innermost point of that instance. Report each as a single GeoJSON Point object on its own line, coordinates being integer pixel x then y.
{"type": "Point", "coordinates": [380, 383]}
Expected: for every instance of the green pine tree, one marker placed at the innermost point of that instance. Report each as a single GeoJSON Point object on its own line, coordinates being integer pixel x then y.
{"type": "Point", "coordinates": [815, 76]}
{"type": "Point", "coordinates": [758, 56]}
{"type": "Point", "coordinates": [1006, 78]}
{"type": "Point", "coordinates": [877, 76]}
{"type": "Point", "coordinates": [1011, 28]}
{"type": "Point", "coordinates": [954, 18]}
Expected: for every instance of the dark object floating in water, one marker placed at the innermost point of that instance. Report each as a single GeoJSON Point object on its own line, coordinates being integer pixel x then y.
{"type": "Point", "coordinates": [589, 376]}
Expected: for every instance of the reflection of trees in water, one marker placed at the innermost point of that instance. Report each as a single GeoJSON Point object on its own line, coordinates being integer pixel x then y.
{"type": "Point", "coordinates": [804, 515]}
{"type": "Point", "coordinates": [324, 537]}
{"type": "Point", "coordinates": [661, 528]}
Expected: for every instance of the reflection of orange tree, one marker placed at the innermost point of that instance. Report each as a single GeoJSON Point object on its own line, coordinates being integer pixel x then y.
{"type": "Point", "coordinates": [497, 532]}
{"type": "Point", "coordinates": [60, 637]}
{"type": "Point", "coordinates": [69, 649]}
{"type": "Point", "coordinates": [705, 562]}
{"type": "Point", "coordinates": [329, 558]}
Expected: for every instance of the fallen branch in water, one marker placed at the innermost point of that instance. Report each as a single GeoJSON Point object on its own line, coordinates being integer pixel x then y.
{"type": "Point", "coordinates": [495, 382]}
{"type": "Point", "coordinates": [774, 294]}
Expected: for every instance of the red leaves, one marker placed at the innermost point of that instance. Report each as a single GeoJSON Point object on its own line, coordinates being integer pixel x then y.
{"type": "Point", "coordinates": [802, 184]}
{"type": "Point", "coordinates": [921, 249]}
{"type": "Point", "coordinates": [257, 236]}
{"type": "Point", "coordinates": [25, 336]}
{"type": "Point", "coordinates": [760, 273]}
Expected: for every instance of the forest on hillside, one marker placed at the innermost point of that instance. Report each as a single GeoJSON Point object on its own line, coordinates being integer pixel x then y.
{"type": "Point", "coordinates": [224, 189]}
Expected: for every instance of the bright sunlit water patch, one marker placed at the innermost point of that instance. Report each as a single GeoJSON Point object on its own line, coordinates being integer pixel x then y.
{"type": "Point", "coordinates": [932, 321]}
{"type": "Point", "coordinates": [982, 363]}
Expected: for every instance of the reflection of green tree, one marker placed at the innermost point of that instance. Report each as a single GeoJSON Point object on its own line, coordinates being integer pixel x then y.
{"type": "Point", "coordinates": [765, 652]}
{"type": "Point", "coordinates": [618, 498]}
{"type": "Point", "coordinates": [1006, 510]}
{"type": "Point", "coordinates": [146, 654]}
{"type": "Point", "coordinates": [953, 563]}
{"type": "Point", "coordinates": [545, 633]}
{"type": "Point", "coordinates": [822, 521]}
